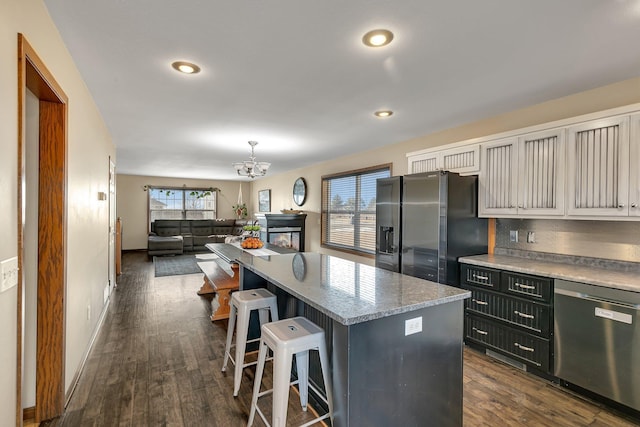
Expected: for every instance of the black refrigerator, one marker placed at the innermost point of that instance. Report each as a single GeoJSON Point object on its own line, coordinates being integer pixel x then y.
{"type": "Point", "coordinates": [425, 222]}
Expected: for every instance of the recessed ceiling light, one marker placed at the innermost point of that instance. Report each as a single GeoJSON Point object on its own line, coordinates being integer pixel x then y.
{"type": "Point", "coordinates": [383, 113]}
{"type": "Point", "coordinates": [186, 67]}
{"type": "Point", "coordinates": [377, 38]}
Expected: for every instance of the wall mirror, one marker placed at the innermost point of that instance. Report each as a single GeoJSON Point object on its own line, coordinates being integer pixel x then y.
{"type": "Point", "coordinates": [299, 191]}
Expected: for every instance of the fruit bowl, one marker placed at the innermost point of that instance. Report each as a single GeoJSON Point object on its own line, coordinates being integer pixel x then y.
{"type": "Point", "coordinates": [252, 243]}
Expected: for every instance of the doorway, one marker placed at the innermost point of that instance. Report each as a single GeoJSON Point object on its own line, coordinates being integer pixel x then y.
{"type": "Point", "coordinates": [51, 232]}
{"type": "Point", "coordinates": [112, 230]}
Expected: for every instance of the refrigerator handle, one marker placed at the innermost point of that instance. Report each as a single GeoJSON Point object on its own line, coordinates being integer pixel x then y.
{"type": "Point", "coordinates": [390, 247]}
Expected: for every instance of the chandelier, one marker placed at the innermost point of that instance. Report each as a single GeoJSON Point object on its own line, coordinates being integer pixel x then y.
{"type": "Point", "coordinates": [251, 168]}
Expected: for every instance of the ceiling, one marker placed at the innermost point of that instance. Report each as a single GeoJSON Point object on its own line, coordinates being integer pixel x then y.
{"type": "Point", "coordinates": [295, 76]}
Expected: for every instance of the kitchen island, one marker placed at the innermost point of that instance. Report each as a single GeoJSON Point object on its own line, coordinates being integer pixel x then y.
{"type": "Point", "coordinates": [395, 341]}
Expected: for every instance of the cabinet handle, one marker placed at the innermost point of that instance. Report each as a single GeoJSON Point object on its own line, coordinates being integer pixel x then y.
{"type": "Point", "coordinates": [481, 332]}
{"type": "Point", "coordinates": [523, 286]}
{"type": "Point", "coordinates": [521, 347]}
{"type": "Point", "coordinates": [621, 205]}
{"type": "Point", "coordinates": [634, 205]}
{"type": "Point", "coordinates": [477, 276]}
{"type": "Point", "coordinates": [526, 316]}
{"type": "Point", "coordinates": [479, 302]}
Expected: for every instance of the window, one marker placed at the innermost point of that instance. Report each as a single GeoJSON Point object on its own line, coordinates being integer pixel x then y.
{"type": "Point", "coordinates": [181, 203]}
{"type": "Point", "coordinates": [349, 209]}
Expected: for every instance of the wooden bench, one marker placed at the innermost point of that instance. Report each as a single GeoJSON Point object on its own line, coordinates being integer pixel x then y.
{"type": "Point", "coordinates": [218, 281]}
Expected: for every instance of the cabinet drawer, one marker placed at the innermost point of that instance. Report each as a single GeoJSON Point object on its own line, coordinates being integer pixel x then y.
{"type": "Point", "coordinates": [534, 287]}
{"type": "Point", "coordinates": [518, 345]}
{"type": "Point", "coordinates": [480, 276]}
{"type": "Point", "coordinates": [518, 312]}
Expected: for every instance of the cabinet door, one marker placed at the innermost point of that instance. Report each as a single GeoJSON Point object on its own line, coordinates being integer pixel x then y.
{"type": "Point", "coordinates": [427, 162]}
{"type": "Point", "coordinates": [598, 163]}
{"type": "Point", "coordinates": [463, 160]}
{"type": "Point", "coordinates": [498, 178]}
{"type": "Point", "coordinates": [541, 168]}
{"type": "Point", "coordinates": [634, 167]}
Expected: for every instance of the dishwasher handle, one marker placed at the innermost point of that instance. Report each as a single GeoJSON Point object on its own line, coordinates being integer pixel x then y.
{"type": "Point", "coordinates": [584, 296]}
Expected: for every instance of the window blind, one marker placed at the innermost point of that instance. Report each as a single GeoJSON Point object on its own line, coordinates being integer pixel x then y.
{"type": "Point", "coordinates": [349, 209]}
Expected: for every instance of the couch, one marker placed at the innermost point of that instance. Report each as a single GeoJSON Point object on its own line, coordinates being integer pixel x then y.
{"type": "Point", "coordinates": [174, 236]}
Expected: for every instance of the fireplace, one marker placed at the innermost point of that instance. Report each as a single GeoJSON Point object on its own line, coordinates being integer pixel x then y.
{"type": "Point", "coordinates": [284, 230]}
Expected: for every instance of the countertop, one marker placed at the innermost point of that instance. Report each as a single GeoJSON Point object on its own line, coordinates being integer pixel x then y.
{"type": "Point", "coordinates": [230, 253]}
{"type": "Point", "coordinates": [347, 291]}
{"type": "Point", "coordinates": [628, 281]}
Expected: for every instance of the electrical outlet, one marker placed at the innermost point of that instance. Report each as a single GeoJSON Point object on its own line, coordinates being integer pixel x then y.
{"type": "Point", "coordinates": [531, 237]}
{"type": "Point", "coordinates": [8, 273]}
{"type": "Point", "coordinates": [513, 235]}
{"type": "Point", "coordinates": [413, 326]}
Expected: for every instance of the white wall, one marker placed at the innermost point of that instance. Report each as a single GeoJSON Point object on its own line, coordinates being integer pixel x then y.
{"type": "Point", "coordinates": [131, 203]}
{"type": "Point", "coordinates": [8, 207]}
{"type": "Point", "coordinates": [89, 149]}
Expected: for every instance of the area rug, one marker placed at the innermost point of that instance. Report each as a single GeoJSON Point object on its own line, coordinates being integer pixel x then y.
{"type": "Point", "coordinates": [180, 264]}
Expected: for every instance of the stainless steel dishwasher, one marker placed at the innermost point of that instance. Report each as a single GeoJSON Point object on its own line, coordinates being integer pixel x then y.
{"type": "Point", "coordinates": [597, 340]}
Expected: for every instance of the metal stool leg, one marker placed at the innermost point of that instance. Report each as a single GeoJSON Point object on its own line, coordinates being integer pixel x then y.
{"type": "Point", "coordinates": [302, 366]}
{"type": "Point", "coordinates": [241, 346]}
{"type": "Point", "coordinates": [281, 381]}
{"type": "Point", "coordinates": [230, 326]}
{"type": "Point", "coordinates": [326, 377]}
{"type": "Point", "coordinates": [262, 357]}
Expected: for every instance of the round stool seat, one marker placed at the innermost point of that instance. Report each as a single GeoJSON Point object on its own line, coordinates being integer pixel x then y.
{"type": "Point", "coordinates": [286, 338]}
{"type": "Point", "coordinates": [242, 304]}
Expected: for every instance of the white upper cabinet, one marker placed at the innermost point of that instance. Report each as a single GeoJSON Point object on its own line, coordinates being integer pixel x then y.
{"type": "Point", "coordinates": [598, 168]}
{"type": "Point", "coordinates": [585, 167]}
{"type": "Point", "coordinates": [541, 166]}
{"type": "Point", "coordinates": [463, 160]}
{"type": "Point", "coordinates": [426, 162]}
{"type": "Point", "coordinates": [523, 176]}
{"type": "Point", "coordinates": [497, 188]}
{"type": "Point", "coordinates": [634, 167]}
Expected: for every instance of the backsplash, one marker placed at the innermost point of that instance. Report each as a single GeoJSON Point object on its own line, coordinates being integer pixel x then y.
{"type": "Point", "coordinates": [612, 240]}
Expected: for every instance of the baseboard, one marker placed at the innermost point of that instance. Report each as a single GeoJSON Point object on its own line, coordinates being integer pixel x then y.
{"type": "Point", "coordinates": [85, 356]}
{"type": "Point", "coordinates": [125, 251]}
{"type": "Point", "coordinates": [29, 414]}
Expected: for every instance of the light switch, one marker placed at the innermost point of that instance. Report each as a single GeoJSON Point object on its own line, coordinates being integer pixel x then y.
{"type": "Point", "coordinates": [9, 273]}
{"type": "Point", "coordinates": [513, 235]}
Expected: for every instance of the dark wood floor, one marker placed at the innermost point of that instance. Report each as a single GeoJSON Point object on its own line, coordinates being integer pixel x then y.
{"type": "Point", "coordinates": [157, 359]}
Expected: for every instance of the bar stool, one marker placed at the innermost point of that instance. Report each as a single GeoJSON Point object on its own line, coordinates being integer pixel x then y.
{"type": "Point", "coordinates": [242, 304]}
{"type": "Point", "coordinates": [285, 338]}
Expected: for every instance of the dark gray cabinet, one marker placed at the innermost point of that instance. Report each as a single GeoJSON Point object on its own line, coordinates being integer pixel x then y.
{"type": "Point", "coordinates": [510, 313]}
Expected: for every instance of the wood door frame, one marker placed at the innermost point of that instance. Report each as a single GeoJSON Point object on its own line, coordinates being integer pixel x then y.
{"type": "Point", "coordinates": [52, 232]}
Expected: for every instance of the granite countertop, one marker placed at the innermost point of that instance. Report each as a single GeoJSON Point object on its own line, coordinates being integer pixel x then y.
{"type": "Point", "coordinates": [347, 291]}
{"type": "Point", "coordinates": [230, 253]}
{"type": "Point", "coordinates": [624, 280]}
